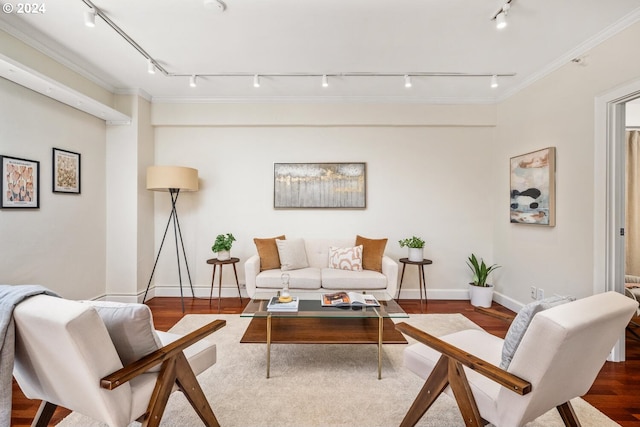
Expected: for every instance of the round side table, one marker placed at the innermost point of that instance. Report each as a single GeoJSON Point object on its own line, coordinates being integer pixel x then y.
{"type": "Point", "coordinates": [216, 262]}
{"type": "Point", "coordinates": [421, 278]}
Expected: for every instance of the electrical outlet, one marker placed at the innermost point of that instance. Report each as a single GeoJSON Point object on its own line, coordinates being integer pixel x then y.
{"type": "Point", "coordinates": [540, 293]}
{"type": "Point", "coordinates": [534, 292]}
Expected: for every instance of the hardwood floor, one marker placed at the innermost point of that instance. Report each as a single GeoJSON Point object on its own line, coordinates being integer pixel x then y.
{"type": "Point", "coordinates": [616, 391]}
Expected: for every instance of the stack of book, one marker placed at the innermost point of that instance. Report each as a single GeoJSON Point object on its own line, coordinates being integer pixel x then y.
{"type": "Point", "coordinates": [276, 305]}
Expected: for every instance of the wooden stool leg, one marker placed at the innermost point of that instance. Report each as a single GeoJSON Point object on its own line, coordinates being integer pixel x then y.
{"type": "Point", "coordinates": [219, 288]}
{"type": "Point", "coordinates": [237, 283]}
{"type": "Point", "coordinates": [401, 279]}
{"type": "Point", "coordinates": [213, 277]}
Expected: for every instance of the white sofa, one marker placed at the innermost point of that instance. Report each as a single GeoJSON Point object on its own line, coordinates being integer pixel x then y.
{"type": "Point", "coordinates": [318, 276]}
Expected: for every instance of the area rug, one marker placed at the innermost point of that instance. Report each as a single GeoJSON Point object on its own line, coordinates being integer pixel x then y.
{"type": "Point", "coordinates": [319, 385]}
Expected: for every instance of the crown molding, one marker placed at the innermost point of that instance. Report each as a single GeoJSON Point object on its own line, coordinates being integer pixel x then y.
{"type": "Point", "coordinates": [31, 79]}
{"type": "Point", "coordinates": [319, 100]}
{"type": "Point", "coordinates": [586, 46]}
{"type": "Point", "coordinates": [135, 92]}
{"type": "Point", "coordinates": [52, 50]}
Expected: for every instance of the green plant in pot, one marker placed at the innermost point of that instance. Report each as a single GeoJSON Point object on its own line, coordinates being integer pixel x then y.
{"type": "Point", "coordinates": [480, 292]}
{"type": "Point", "coordinates": [416, 248]}
{"type": "Point", "coordinates": [222, 246]}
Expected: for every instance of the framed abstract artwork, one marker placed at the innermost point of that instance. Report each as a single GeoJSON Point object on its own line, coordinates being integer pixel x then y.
{"type": "Point", "coordinates": [66, 171]}
{"type": "Point", "coordinates": [533, 188]}
{"type": "Point", "coordinates": [20, 183]}
{"type": "Point", "coordinates": [319, 185]}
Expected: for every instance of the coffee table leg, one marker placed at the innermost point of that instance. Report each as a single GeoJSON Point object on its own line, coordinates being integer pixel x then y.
{"type": "Point", "coordinates": [268, 344]}
{"type": "Point", "coordinates": [380, 333]}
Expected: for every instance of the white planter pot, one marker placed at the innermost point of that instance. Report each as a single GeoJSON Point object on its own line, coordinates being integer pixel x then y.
{"type": "Point", "coordinates": [481, 296]}
{"type": "Point", "coordinates": [416, 254]}
{"type": "Point", "coordinates": [224, 255]}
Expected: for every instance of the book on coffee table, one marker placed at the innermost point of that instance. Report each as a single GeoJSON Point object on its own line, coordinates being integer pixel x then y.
{"type": "Point", "coordinates": [349, 299]}
{"type": "Point", "coordinates": [276, 305]}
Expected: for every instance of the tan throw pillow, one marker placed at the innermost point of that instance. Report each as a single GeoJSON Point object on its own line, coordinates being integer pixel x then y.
{"type": "Point", "coordinates": [372, 252]}
{"type": "Point", "coordinates": [293, 255]}
{"type": "Point", "coordinates": [268, 252]}
{"type": "Point", "coordinates": [345, 258]}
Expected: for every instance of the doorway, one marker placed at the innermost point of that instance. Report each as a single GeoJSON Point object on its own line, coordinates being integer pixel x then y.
{"type": "Point", "coordinates": [609, 194]}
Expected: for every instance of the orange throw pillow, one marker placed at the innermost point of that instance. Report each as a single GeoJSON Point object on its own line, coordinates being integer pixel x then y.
{"type": "Point", "coordinates": [268, 252]}
{"type": "Point", "coordinates": [372, 252]}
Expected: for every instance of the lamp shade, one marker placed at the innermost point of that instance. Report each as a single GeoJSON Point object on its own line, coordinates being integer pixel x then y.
{"type": "Point", "coordinates": [163, 178]}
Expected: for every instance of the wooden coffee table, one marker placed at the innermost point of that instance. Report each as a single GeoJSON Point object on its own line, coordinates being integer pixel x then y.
{"type": "Point", "coordinates": [314, 324]}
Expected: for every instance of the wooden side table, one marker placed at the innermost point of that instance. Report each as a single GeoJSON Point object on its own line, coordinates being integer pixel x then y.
{"type": "Point", "coordinates": [421, 278]}
{"type": "Point", "coordinates": [216, 262]}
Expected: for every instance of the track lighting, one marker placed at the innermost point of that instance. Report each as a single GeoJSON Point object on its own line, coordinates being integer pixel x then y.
{"type": "Point", "coordinates": [90, 18]}
{"type": "Point", "coordinates": [407, 80]}
{"type": "Point", "coordinates": [192, 81]}
{"type": "Point", "coordinates": [256, 80]}
{"type": "Point", "coordinates": [501, 15]}
{"type": "Point", "coordinates": [217, 5]}
{"type": "Point", "coordinates": [151, 68]}
{"type": "Point", "coordinates": [325, 81]}
{"type": "Point", "coordinates": [494, 81]}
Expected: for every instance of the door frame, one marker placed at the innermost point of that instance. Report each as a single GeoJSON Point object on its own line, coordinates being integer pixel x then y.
{"type": "Point", "coordinates": [609, 194]}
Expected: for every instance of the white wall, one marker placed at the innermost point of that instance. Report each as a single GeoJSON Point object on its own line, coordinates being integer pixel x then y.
{"type": "Point", "coordinates": [558, 111]}
{"type": "Point", "coordinates": [421, 180]}
{"type": "Point", "coordinates": [62, 244]}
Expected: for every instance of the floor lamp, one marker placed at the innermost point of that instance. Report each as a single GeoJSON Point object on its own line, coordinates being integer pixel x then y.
{"type": "Point", "coordinates": [172, 179]}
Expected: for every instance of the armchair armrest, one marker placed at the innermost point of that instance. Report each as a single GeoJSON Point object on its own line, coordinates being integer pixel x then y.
{"type": "Point", "coordinates": [142, 365]}
{"type": "Point", "coordinates": [502, 377]}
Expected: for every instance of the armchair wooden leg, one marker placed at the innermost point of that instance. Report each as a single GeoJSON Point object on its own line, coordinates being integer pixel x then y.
{"type": "Point", "coordinates": [433, 387]}
{"type": "Point", "coordinates": [568, 415]}
{"type": "Point", "coordinates": [464, 397]}
{"type": "Point", "coordinates": [193, 392]}
{"type": "Point", "coordinates": [44, 415]}
{"type": "Point", "coordinates": [160, 396]}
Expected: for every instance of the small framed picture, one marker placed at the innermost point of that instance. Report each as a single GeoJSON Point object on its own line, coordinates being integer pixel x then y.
{"type": "Point", "coordinates": [20, 183]}
{"type": "Point", "coordinates": [66, 171]}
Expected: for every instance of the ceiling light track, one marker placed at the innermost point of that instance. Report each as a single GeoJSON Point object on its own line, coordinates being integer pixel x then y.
{"type": "Point", "coordinates": [153, 65]}
{"type": "Point", "coordinates": [501, 15]}
{"type": "Point", "coordinates": [125, 36]}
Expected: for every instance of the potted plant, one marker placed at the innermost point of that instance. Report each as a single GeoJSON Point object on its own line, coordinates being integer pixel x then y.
{"type": "Point", "coordinates": [416, 248]}
{"type": "Point", "coordinates": [480, 292]}
{"type": "Point", "coordinates": [222, 246]}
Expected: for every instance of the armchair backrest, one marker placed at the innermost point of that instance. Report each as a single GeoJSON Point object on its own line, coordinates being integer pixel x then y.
{"type": "Point", "coordinates": [63, 350]}
{"type": "Point", "coordinates": [562, 352]}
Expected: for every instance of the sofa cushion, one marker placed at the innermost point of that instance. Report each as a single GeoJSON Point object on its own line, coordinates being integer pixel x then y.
{"type": "Point", "coordinates": [343, 279]}
{"type": "Point", "coordinates": [346, 258]}
{"type": "Point", "coordinates": [268, 252]}
{"type": "Point", "coordinates": [372, 252]}
{"type": "Point", "coordinates": [130, 327]}
{"type": "Point", "coordinates": [292, 254]}
{"type": "Point", "coordinates": [521, 322]}
{"type": "Point", "coordinates": [304, 278]}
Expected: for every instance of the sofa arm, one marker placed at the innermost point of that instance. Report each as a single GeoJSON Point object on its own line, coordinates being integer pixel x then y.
{"type": "Point", "coordinates": [390, 270]}
{"type": "Point", "coordinates": [251, 270]}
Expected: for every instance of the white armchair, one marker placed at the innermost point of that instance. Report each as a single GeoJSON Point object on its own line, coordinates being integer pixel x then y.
{"type": "Point", "coordinates": [66, 357]}
{"type": "Point", "coordinates": [559, 357]}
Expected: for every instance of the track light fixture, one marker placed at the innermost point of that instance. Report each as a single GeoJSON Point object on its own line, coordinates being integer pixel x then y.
{"type": "Point", "coordinates": [192, 81]}
{"type": "Point", "coordinates": [256, 80]}
{"type": "Point", "coordinates": [501, 15]}
{"type": "Point", "coordinates": [325, 81]}
{"type": "Point", "coordinates": [151, 68]}
{"type": "Point", "coordinates": [407, 80]}
{"type": "Point", "coordinates": [494, 81]}
{"type": "Point", "coordinates": [90, 18]}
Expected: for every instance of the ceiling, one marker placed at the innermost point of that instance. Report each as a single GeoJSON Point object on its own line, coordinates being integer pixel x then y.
{"type": "Point", "coordinates": [333, 37]}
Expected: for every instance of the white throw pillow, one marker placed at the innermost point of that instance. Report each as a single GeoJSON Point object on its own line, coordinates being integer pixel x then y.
{"type": "Point", "coordinates": [346, 258]}
{"type": "Point", "coordinates": [292, 254]}
{"type": "Point", "coordinates": [521, 323]}
{"type": "Point", "coordinates": [130, 327]}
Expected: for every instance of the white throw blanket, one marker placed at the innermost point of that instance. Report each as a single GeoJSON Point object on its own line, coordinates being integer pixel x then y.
{"type": "Point", "coordinates": [10, 296]}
